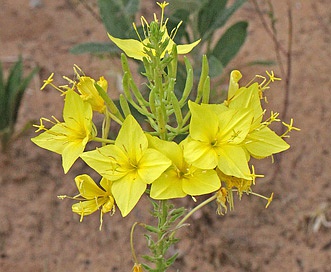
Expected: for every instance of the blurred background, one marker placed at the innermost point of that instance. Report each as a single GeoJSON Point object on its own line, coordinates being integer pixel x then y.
{"type": "Point", "coordinates": [38, 232]}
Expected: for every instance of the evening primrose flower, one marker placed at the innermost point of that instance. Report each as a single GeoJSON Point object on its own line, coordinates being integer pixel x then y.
{"type": "Point", "coordinates": [245, 97]}
{"type": "Point", "coordinates": [264, 142]}
{"type": "Point", "coordinates": [137, 48]}
{"type": "Point", "coordinates": [137, 268]}
{"type": "Point", "coordinates": [260, 141]}
{"type": "Point", "coordinates": [181, 178]}
{"type": "Point", "coordinates": [70, 137]}
{"type": "Point", "coordinates": [89, 93]}
{"type": "Point", "coordinates": [216, 139]}
{"type": "Point", "coordinates": [129, 163]}
{"type": "Point", "coordinates": [92, 197]}
{"type": "Point", "coordinates": [231, 182]}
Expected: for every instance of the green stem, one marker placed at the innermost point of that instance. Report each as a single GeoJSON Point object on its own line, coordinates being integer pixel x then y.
{"type": "Point", "coordinates": [161, 265]}
{"type": "Point", "coordinates": [105, 127]}
{"type": "Point", "coordinates": [202, 204]}
{"type": "Point", "coordinates": [101, 140]}
{"type": "Point", "coordinates": [134, 256]}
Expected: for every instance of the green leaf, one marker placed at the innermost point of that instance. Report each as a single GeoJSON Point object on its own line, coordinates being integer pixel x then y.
{"type": "Point", "coordinates": [261, 62]}
{"type": "Point", "coordinates": [2, 97]}
{"type": "Point", "coordinates": [14, 79]}
{"type": "Point", "coordinates": [2, 83]}
{"type": "Point", "coordinates": [10, 88]}
{"type": "Point", "coordinates": [180, 15]}
{"type": "Point", "coordinates": [172, 259]}
{"type": "Point", "coordinates": [189, 5]}
{"type": "Point", "coordinates": [230, 43]}
{"type": "Point", "coordinates": [209, 14]}
{"type": "Point", "coordinates": [118, 15]}
{"type": "Point", "coordinates": [221, 18]}
{"type": "Point", "coordinates": [215, 66]}
{"type": "Point", "coordinates": [95, 48]}
{"type": "Point", "coordinates": [18, 95]}
{"type": "Point", "coordinates": [11, 94]}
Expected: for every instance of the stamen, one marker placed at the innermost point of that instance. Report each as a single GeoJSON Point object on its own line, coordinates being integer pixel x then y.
{"type": "Point", "coordinates": [162, 6]}
{"type": "Point", "coordinates": [82, 211]}
{"type": "Point", "coordinates": [70, 80]}
{"type": "Point", "coordinates": [143, 23]}
{"type": "Point", "coordinates": [76, 67]}
{"type": "Point", "coordinates": [101, 220]}
{"type": "Point", "coordinates": [136, 30]}
{"type": "Point", "coordinates": [269, 199]}
{"type": "Point", "coordinates": [48, 81]}
{"type": "Point", "coordinates": [290, 127]}
{"type": "Point", "coordinates": [174, 31]}
{"type": "Point", "coordinates": [272, 77]}
{"type": "Point", "coordinates": [254, 176]}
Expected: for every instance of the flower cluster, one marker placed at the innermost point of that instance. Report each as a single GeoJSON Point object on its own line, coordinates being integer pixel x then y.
{"type": "Point", "coordinates": [188, 147]}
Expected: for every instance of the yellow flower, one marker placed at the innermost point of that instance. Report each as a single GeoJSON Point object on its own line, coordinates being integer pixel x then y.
{"type": "Point", "coordinates": [242, 185]}
{"type": "Point", "coordinates": [90, 94]}
{"type": "Point", "coordinates": [70, 137]}
{"type": "Point", "coordinates": [94, 197]}
{"type": "Point", "coordinates": [221, 201]}
{"type": "Point", "coordinates": [137, 268]}
{"type": "Point", "coordinates": [181, 178]}
{"type": "Point", "coordinates": [137, 48]}
{"type": "Point", "coordinates": [235, 76]}
{"type": "Point", "coordinates": [216, 138]}
{"type": "Point", "coordinates": [260, 141]}
{"type": "Point", "coordinates": [264, 142]}
{"type": "Point", "coordinates": [129, 163]}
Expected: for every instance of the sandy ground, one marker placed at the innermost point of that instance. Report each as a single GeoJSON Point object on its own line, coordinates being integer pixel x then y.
{"type": "Point", "coordinates": [38, 232]}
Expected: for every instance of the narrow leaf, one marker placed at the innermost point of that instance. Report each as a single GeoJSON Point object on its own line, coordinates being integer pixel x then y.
{"type": "Point", "coordinates": [118, 15]}
{"type": "Point", "coordinates": [215, 66]}
{"type": "Point", "coordinates": [222, 18]}
{"type": "Point", "coordinates": [230, 43]}
{"type": "Point", "coordinates": [18, 95]}
{"type": "Point", "coordinates": [95, 48]}
{"type": "Point", "coordinates": [209, 14]}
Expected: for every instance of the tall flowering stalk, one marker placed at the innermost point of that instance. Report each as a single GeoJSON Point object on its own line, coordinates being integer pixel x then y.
{"type": "Point", "coordinates": [190, 148]}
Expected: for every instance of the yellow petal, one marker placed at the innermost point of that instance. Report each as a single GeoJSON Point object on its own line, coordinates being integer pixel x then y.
{"type": "Point", "coordinates": [87, 187]}
{"type": "Point", "coordinates": [77, 114]}
{"type": "Point", "coordinates": [88, 206]}
{"type": "Point", "coordinates": [248, 98]}
{"type": "Point", "coordinates": [234, 125]}
{"type": "Point", "coordinates": [170, 149]}
{"type": "Point", "coordinates": [71, 153]}
{"type": "Point", "coordinates": [103, 83]}
{"type": "Point", "coordinates": [132, 48]}
{"type": "Point", "coordinates": [186, 48]}
{"type": "Point", "coordinates": [167, 186]}
{"type": "Point", "coordinates": [263, 143]}
{"type": "Point", "coordinates": [201, 182]}
{"type": "Point", "coordinates": [232, 161]}
{"type": "Point", "coordinates": [53, 140]}
{"type": "Point", "coordinates": [90, 94]}
{"type": "Point", "coordinates": [106, 184]}
{"type": "Point", "coordinates": [131, 138]}
{"type": "Point", "coordinates": [200, 154]}
{"type": "Point", "coordinates": [100, 160]}
{"type": "Point", "coordinates": [108, 206]}
{"type": "Point", "coordinates": [151, 165]}
{"type": "Point", "coordinates": [204, 123]}
{"type": "Point", "coordinates": [127, 194]}
{"type": "Point", "coordinates": [235, 76]}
